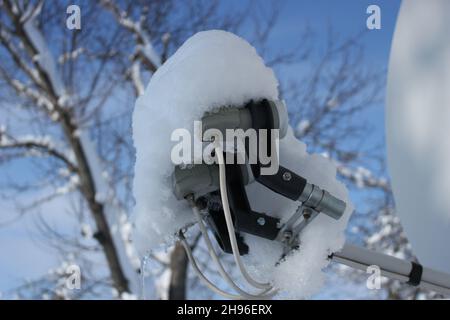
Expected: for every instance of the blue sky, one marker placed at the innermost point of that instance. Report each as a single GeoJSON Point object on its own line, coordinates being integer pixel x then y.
{"type": "Point", "coordinates": [347, 17]}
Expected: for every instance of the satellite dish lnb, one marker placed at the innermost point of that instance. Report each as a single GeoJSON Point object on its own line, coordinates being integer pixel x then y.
{"type": "Point", "coordinates": [286, 224]}
{"type": "Point", "coordinates": [418, 127]}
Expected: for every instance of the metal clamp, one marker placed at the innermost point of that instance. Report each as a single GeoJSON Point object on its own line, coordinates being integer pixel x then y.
{"type": "Point", "coordinates": [290, 231]}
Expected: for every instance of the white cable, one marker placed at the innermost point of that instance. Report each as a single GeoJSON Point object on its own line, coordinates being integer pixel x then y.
{"type": "Point", "coordinates": [229, 221]}
{"type": "Point", "coordinates": [262, 295]}
{"type": "Point", "coordinates": [208, 283]}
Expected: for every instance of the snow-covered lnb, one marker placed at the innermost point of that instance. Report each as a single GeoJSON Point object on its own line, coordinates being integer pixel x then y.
{"type": "Point", "coordinates": [211, 72]}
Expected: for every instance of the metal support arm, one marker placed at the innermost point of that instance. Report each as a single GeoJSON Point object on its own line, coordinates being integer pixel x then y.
{"type": "Point", "coordinates": [391, 267]}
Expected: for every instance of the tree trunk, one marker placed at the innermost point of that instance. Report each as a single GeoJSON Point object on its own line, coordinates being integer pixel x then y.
{"type": "Point", "coordinates": [87, 186]}
{"type": "Point", "coordinates": [178, 275]}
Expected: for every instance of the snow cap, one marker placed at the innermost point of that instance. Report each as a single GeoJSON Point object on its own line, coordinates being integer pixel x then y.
{"type": "Point", "coordinates": [213, 69]}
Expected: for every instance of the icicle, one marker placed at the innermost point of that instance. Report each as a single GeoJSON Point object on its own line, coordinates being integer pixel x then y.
{"type": "Point", "coordinates": [144, 261]}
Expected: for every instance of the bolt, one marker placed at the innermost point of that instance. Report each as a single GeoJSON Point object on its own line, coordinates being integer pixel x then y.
{"type": "Point", "coordinates": [261, 221]}
{"type": "Point", "coordinates": [287, 235]}
{"type": "Point", "coordinates": [307, 213]}
{"type": "Point", "coordinates": [287, 176]}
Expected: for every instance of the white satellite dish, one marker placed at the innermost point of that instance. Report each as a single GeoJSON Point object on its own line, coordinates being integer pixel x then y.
{"type": "Point", "coordinates": [418, 127]}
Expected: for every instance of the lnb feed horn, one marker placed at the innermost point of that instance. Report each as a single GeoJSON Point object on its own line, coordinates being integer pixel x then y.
{"type": "Point", "coordinates": [186, 184]}
{"type": "Point", "coordinates": [197, 180]}
{"type": "Point", "coordinates": [201, 179]}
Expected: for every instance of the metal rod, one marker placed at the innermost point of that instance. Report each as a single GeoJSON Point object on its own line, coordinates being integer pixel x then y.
{"type": "Point", "coordinates": [391, 267]}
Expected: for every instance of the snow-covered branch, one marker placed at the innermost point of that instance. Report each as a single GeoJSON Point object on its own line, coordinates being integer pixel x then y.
{"type": "Point", "coordinates": [135, 76]}
{"type": "Point", "coordinates": [6, 41]}
{"type": "Point", "coordinates": [144, 50]}
{"type": "Point", "coordinates": [54, 94]}
{"type": "Point", "coordinates": [37, 97]}
{"type": "Point", "coordinates": [72, 55]}
{"type": "Point", "coordinates": [362, 177]}
{"type": "Point", "coordinates": [41, 144]}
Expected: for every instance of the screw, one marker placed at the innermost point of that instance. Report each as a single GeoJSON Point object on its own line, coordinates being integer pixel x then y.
{"type": "Point", "coordinates": [307, 213]}
{"type": "Point", "coordinates": [287, 235]}
{"type": "Point", "coordinates": [287, 176]}
{"type": "Point", "coordinates": [261, 221]}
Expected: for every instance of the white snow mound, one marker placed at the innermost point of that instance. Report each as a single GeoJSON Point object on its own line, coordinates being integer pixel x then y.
{"type": "Point", "coordinates": [212, 69]}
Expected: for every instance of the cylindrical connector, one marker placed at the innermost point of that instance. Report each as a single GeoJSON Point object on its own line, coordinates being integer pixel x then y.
{"type": "Point", "coordinates": [241, 118]}
{"type": "Point", "coordinates": [196, 180]}
{"type": "Point", "coordinates": [322, 201]}
{"type": "Point", "coordinates": [227, 118]}
{"type": "Point", "coordinates": [199, 179]}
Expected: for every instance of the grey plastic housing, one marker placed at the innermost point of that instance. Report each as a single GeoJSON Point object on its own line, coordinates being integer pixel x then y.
{"type": "Point", "coordinates": [200, 179]}
{"type": "Point", "coordinates": [197, 180]}
{"type": "Point", "coordinates": [240, 118]}
{"type": "Point", "coordinates": [227, 118]}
